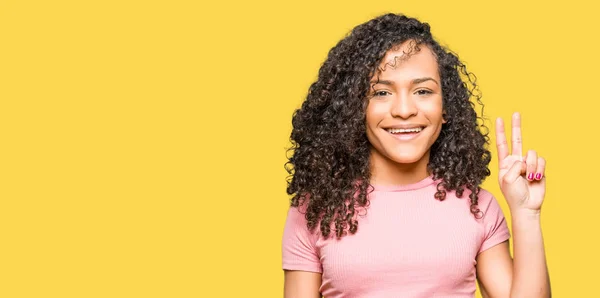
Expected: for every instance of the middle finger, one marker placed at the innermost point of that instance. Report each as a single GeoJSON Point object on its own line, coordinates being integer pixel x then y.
{"type": "Point", "coordinates": [517, 141]}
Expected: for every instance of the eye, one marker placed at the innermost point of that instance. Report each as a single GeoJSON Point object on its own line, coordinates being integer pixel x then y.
{"type": "Point", "coordinates": [423, 92]}
{"type": "Point", "coordinates": [380, 93]}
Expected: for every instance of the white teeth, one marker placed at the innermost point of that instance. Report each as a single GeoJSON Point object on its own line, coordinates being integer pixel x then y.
{"type": "Point", "coordinates": [404, 130]}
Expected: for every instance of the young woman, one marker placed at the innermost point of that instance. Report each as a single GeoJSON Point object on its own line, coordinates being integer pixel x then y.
{"type": "Point", "coordinates": [386, 167]}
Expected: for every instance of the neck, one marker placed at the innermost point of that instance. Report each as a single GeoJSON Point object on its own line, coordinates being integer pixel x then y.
{"type": "Point", "coordinates": [385, 171]}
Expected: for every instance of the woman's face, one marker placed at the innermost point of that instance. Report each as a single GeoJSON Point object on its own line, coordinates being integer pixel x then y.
{"type": "Point", "coordinates": [404, 112]}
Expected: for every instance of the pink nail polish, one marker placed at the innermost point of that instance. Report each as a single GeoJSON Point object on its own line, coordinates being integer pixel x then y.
{"type": "Point", "coordinates": [538, 176]}
{"type": "Point", "coordinates": [530, 176]}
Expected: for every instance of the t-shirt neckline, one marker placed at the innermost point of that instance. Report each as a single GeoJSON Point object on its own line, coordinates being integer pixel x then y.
{"type": "Point", "coordinates": [417, 185]}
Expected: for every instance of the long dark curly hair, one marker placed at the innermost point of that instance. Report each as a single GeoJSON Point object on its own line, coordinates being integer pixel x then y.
{"type": "Point", "coordinates": [328, 161]}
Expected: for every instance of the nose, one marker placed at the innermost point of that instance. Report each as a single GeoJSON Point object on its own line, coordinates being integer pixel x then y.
{"type": "Point", "coordinates": [403, 106]}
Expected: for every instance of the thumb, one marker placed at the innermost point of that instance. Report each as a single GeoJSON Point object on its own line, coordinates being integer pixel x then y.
{"type": "Point", "coordinates": [515, 172]}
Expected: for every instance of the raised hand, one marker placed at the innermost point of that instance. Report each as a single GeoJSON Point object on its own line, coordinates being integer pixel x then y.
{"type": "Point", "coordinates": [521, 178]}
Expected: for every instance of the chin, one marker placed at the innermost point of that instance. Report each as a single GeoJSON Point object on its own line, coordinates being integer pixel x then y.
{"type": "Point", "coordinates": [405, 158]}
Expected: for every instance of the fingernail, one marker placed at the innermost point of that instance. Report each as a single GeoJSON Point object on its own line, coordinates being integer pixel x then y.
{"type": "Point", "coordinates": [538, 176]}
{"type": "Point", "coordinates": [530, 176]}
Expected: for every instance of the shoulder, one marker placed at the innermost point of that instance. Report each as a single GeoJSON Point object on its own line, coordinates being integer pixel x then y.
{"type": "Point", "coordinates": [484, 197]}
{"type": "Point", "coordinates": [299, 250]}
{"type": "Point", "coordinates": [296, 215]}
{"type": "Point", "coordinates": [492, 214]}
{"type": "Point", "coordinates": [487, 201]}
{"type": "Point", "coordinates": [298, 212]}
{"type": "Point", "coordinates": [296, 221]}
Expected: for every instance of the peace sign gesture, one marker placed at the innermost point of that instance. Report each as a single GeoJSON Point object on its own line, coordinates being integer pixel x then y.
{"type": "Point", "coordinates": [522, 181]}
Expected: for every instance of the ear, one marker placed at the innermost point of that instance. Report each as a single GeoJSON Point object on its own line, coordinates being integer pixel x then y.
{"type": "Point", "coordinates": [444, 115]}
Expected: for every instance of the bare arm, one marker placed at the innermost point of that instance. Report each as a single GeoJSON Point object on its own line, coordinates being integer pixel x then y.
{"type": "Point", "coordinates": [527, 275]}
{"type": "Point", "coordinates": [301, 284]}
{"type": "Point", "coordinates": [531, 277]}
{"type": "Point", "coordinates": [495, 271]}
{"type": "Point", "coordinates": [523, 185]}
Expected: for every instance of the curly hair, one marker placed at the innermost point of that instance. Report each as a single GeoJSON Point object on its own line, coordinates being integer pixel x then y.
{"type": "Point", "coordinates": [329, 160]}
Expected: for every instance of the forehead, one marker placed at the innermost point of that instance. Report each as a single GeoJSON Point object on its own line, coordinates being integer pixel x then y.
{"type": "Point", "coordinates": [410, 59]}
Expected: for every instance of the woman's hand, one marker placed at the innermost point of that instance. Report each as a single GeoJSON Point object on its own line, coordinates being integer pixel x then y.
{"type": "Point", "coordinates": [521, 179]}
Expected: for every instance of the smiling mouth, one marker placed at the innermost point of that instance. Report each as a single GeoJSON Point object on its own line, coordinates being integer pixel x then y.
{"type": "Point", "coordinates": [405, 134]}
{"type": "Point", "coordinates": [404, 131]}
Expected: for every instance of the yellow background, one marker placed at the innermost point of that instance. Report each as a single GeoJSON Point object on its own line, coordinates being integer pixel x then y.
{"type": "Point", "coordinates": [142, 142]}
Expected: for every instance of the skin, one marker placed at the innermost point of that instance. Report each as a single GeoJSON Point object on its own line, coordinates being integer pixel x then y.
{"type": "Point", "coordinates": [406, 98]}
{"type": "Point", "coordinates": [407, 94]}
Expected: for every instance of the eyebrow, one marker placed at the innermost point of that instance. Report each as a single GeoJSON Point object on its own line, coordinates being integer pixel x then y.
{"type": "Point", "coordinates": [414, 82]}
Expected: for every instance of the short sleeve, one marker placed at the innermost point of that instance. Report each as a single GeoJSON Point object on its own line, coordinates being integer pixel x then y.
{"type": "Point", "coordinates": [494, 224]}
{"type": "Point", "coordinates": [298, 246]}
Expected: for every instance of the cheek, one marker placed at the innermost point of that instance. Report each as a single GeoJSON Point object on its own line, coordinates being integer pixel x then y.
{"type": "Point", "coordinates": [375, 113]}
{"type": "Point", "coordinates": [434, 110]}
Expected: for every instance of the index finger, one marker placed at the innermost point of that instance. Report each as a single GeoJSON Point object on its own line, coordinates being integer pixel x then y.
{"type": "Point", "coordinates": [517, 140]}
{"type": "Point", "coordinates": [501, 143]}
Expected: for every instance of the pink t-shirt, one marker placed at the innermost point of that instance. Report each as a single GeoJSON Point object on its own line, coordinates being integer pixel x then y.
{"type": "Point", "coordinates": [407, 245]}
